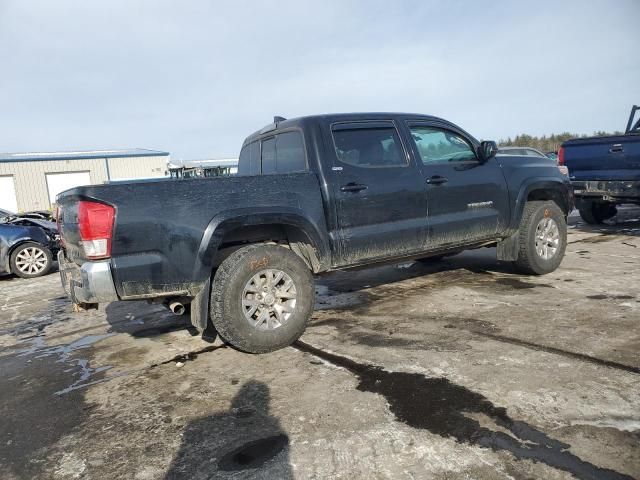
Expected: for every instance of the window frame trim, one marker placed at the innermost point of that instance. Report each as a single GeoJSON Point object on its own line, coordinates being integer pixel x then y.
{"type": "Point", "coordinates": [363, 125]}
{"type": "Point", "coordinates": [441, 126]}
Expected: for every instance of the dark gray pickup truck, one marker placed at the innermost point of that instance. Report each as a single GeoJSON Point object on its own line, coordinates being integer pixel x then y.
{"type": "Point", "coordinates": [313, 194]}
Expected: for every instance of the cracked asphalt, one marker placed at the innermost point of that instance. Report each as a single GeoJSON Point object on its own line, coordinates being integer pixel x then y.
{"type": "Point", "coordinates": [458, 369]}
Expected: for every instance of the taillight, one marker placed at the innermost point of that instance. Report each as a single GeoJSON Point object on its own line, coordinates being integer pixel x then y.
{"type": "Point", "coordinates": [561, 156]}
{"type": "Point", "coordinates": [58, 220]}
{"type": "Point", "coordinates": [95, 222]}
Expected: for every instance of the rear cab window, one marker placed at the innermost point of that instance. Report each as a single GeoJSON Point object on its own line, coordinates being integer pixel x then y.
{"type": "Point", "coordinates": [269, 156]}
{"type": "Point", "coordinates": [280, 153]}
{"type": "Point", "coordinates": [249, 161]}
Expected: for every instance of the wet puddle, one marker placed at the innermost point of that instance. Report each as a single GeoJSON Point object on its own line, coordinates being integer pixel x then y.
{"type": "Point", "coordinates": [66, 354]}
{"type": "Point", "coordinates": [42, 399]}
{"type": "Point", "coordinates": [446, 409]}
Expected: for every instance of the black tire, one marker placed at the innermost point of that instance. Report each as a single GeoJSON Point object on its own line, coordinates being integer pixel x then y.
{"type": "Point", "coordinates": [227, 310]}
{"type": "Point", "coordinates": [595, 213]}
{"type": "Point", "coordinates": [529, 261]}
{"type": "Point", "coordinates": [43, 259]}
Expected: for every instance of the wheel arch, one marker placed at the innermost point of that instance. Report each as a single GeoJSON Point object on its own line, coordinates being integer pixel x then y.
{"type": "Point", "coordinates": [239, 227]}
{"type": "Point", "coordinates": [19, 243]}
{"type": "Point", "coordinates": [553, 189]}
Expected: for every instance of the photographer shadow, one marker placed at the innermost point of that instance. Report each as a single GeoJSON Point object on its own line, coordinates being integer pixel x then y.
{"type": "Point", "coordinates": [246, 440]}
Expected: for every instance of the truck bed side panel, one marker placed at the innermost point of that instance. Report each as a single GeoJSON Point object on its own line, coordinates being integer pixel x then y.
{"type": "Point", "coordinates": [160, 226]}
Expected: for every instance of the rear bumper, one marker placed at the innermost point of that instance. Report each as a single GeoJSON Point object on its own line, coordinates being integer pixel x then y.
{"type": "Point", "coordinates": [90, 283]}
{"type": "Point", "coordinates": [608, 190]}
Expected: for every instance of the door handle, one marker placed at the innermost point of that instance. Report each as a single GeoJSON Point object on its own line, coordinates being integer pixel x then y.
{"type": "Point", "coordinates": [437, 180]}
{"type": "Point", "coordinates": [353, 187]}
{"type": "Point", "coordinates": [617, 148]}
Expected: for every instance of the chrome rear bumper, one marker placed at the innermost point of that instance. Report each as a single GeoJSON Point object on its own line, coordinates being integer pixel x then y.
{"type": "Point", "coordinates": [90, 283]}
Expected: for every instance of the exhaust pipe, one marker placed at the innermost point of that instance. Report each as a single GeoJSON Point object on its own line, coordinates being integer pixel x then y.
{"type": "Point", "coordinates": [177, 308]}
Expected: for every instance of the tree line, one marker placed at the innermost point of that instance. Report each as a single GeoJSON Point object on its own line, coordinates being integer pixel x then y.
{"type": "Point", "coordinates": [550, 143]}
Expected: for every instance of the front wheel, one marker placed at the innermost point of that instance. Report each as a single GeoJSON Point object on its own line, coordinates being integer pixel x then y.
{"type": "Point", "coordinates": [31, 260]}
{"type": "Point", "coordinates": [262, 298]}
{"type": "Point", "coordinates": [543, 238]}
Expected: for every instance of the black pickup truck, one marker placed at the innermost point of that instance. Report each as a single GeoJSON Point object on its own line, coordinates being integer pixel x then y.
{"type": "Point", "coordinates": [312, 194]}
{"type": "Point", "coordinates": [604, 171]}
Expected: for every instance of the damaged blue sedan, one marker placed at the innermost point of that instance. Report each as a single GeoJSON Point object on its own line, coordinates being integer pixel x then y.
{"type": "Point", "coordinates": [27, 245]}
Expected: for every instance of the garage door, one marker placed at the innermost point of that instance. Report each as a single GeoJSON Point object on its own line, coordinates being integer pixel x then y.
{"type": "Point", "coordinates": [8, 194]}
{"type": "Point", "coordinates": [59, 182]}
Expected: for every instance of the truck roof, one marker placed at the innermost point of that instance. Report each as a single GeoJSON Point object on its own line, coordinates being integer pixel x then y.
{"type": "Point", "coordinates": [282, 124]}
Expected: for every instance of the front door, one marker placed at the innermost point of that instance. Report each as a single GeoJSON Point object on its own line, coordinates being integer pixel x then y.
{"type": "Point", "coordinates": [379, 194]}
{"type": "Point", "coordinates": [467, 199]}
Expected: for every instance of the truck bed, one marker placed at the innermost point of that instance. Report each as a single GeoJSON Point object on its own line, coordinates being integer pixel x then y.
{"type": "Point", "coordinates": [161, 228]}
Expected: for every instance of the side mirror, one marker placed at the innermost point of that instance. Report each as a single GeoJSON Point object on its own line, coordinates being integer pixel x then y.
{"type": "Point", "coordinates": [487, 150]}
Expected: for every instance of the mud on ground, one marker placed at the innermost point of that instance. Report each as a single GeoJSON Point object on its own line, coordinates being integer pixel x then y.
{"type": "Point", "coordinates": [452, 370]}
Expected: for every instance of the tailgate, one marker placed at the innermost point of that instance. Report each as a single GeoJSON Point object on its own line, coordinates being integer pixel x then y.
{"type": "Point", "coordinates": [605, 158]}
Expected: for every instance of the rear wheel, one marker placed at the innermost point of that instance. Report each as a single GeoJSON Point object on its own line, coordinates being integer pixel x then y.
{"type": "Point", "coordinates": [262, 298]}
{"type": "Point", "coordinates": [31, 260]}
{"type": "Point", "coordinates": [542, 238]}
{"type": "Point", "coordinates": [597, 212]}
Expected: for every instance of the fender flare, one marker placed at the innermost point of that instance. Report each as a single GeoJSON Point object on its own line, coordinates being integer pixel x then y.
{"type": "Point", "coordinates": [563, 188]}
{"type": "Point", "coordinates": [230, 220]}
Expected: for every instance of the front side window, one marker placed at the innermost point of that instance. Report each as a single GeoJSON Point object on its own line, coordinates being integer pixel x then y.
{"type": "Point", "coordinates": [375, 147]}
{"type": "Point", "coordinates": [437, 145]}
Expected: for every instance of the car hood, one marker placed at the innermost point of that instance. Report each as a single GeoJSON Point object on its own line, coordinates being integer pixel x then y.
{"type": "Point", "coordinates": [31, 222]}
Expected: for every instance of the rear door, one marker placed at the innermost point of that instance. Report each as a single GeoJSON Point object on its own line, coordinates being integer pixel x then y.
{"type": "Point", "coordinates": [467, 199]}
{"type": "Point", "coordinates": [378, 191]}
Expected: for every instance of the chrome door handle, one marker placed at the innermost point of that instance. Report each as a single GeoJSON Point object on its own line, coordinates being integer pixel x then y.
{"type": "Point", "coordinates": [617, 148]}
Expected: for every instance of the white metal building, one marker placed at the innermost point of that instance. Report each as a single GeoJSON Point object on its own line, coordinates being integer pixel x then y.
{"type": "Point", "coordinates": [31, 181]}
{"type": "Point", "coordinates": [203, 168]}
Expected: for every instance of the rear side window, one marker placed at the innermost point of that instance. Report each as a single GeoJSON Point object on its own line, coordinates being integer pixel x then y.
{"type": "Point", "coordinates": [249, 162]}
{"type": "Point", "coordinates": [290, 153]}
{"type": "Point", "coordinates": [368, 147]}
{"type": "Point", "coordinates": [284, 153]}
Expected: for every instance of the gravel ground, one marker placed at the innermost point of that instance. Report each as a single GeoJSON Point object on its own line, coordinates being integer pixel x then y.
{"type": "Point", "coordinates": [459, 369]}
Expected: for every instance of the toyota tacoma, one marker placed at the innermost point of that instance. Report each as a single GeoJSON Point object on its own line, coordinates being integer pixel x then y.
{"type": "Point", "coordinates": [312, 195]}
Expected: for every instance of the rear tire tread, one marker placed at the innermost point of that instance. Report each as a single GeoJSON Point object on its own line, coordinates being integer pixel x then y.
{"type": "Point", "coordinates": [222, 320]}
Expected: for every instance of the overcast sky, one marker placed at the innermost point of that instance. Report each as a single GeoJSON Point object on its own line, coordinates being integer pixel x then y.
{"type": "Point", "coordinates": [195, 77]}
